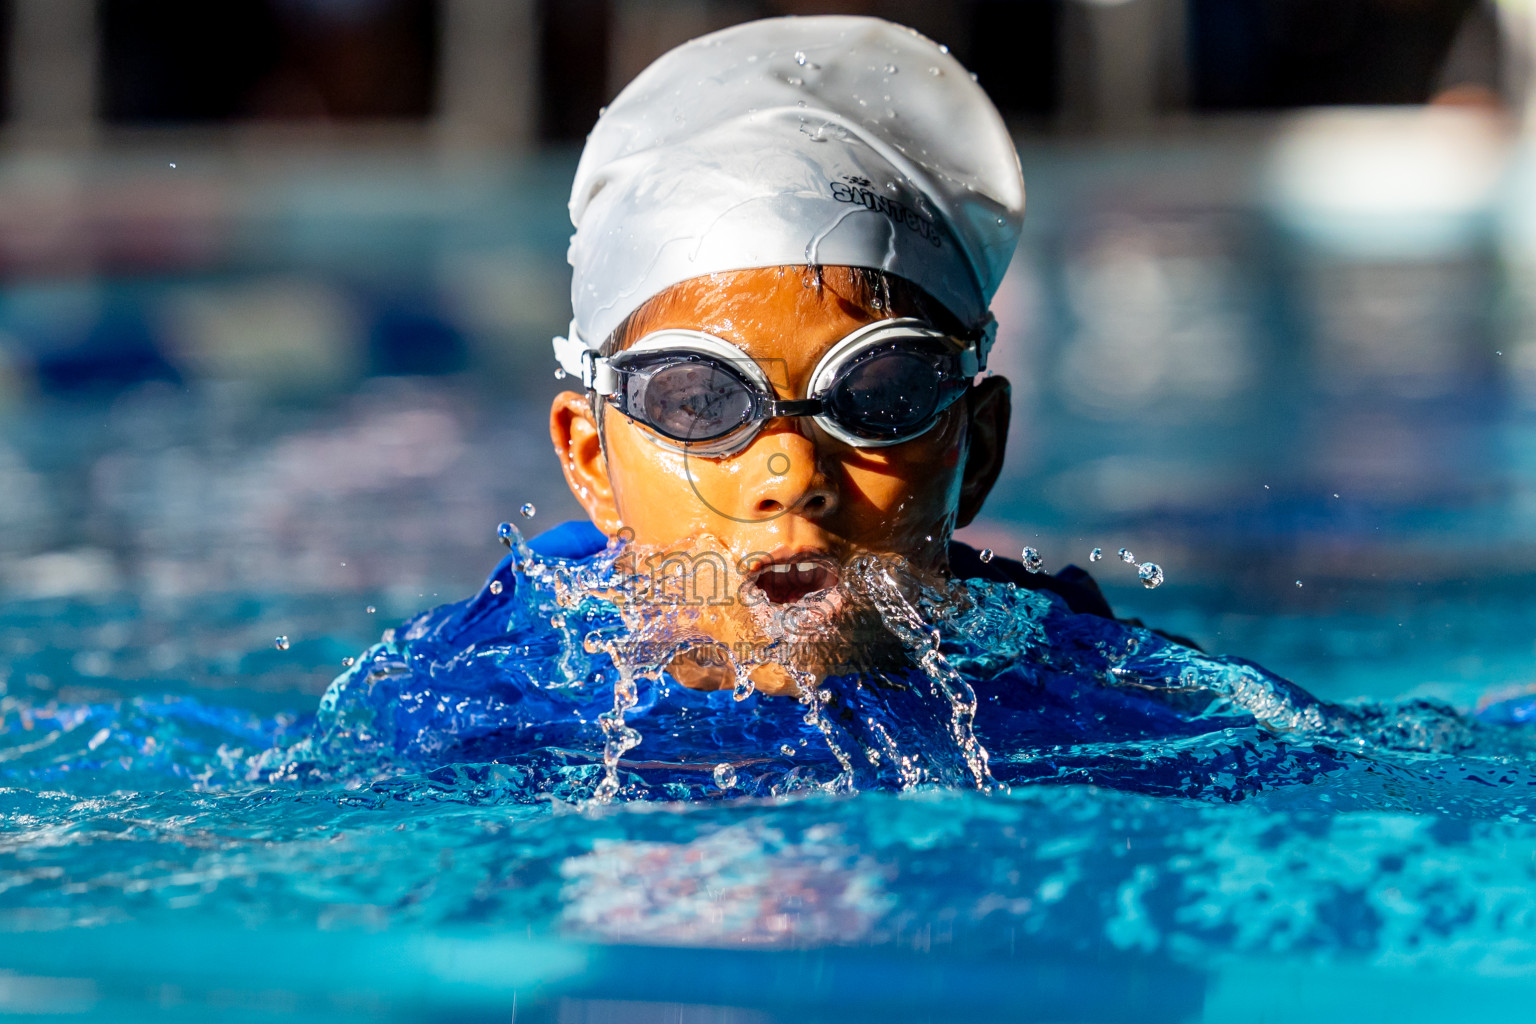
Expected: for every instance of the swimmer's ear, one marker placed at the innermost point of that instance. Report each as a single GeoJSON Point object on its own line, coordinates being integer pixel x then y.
{"type": "Point", "coordinates": [573, 429]}
{"type": "Point", "coordinates": [986, 443]}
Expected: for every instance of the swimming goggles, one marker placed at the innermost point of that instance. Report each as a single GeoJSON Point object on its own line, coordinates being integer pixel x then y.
{"type": "Point", "coordinates": [885, 383]}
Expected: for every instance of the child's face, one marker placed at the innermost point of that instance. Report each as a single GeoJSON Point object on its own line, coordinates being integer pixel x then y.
{"type": "Point", "coordinates": [794, 493]}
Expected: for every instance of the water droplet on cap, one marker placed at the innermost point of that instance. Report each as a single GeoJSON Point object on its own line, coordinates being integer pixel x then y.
{"type": "Point", "coordinates": [986, 554]}
{"type": "Point", "coordinates": [935, 72]}
{"type": "Point", "coordinates": [348, 662]}
{"type": "Point", "coordinates": [943, 48]}
{"type": "Point", "coordinates": [1032, 560]}
{"type": "Point", "coordinates": [495, 586]}
{"type": "Point", "coordinates": [1151, 575]}
{"type": "Point", "coordinates": [725, 775]}
{"type": "Point", "coordinates": [800, 58]}
{"type": "Point", "coordinates": [527, 510]}
{"type": "Point", "coordinates": [1126, 556]}
{"type": "Point", "coordinates": [281, 643]}
{"type": "Point", "coordinates": [890, 69]}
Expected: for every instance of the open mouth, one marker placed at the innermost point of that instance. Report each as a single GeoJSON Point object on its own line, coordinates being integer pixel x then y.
{"type": "Point", "coordinates": [795, 576]}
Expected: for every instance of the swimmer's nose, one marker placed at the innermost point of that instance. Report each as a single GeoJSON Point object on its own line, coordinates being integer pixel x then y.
{"type": "Point", "coordinates": [782, 474]}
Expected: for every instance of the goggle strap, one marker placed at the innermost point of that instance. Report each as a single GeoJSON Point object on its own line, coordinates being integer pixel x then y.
{"type": "Point", "coordinates": [580, 360]}
{"type": "Point", "coordinates": [598, 375]}
{"type": "Point", "coordinates": [982, 348]}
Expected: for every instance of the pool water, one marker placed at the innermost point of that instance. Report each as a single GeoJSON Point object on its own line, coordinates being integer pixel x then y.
{"type": "Point", "coordinates": [1157, 834]}
{"type": "Point", "coordinates": [178, 840]}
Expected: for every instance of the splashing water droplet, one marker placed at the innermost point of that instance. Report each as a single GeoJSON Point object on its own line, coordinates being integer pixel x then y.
{"type": "Point", "coordinates": [348, 662]}
{"type": "Point", "coordinates": [800, 58]}
{"type": "Point", "coordinates": [796, 81]}
{"type": "Point", "coordinates": [943, 48]}
{"type": "Point", "coordinates": [370, 609]}
{"type": "Point", "coordinates": [744, 687]}
{"type": "Point", "coordinates": [505, 532]}
{"type": "Point", "coordinates": [1151, 575]}
{"type": "Point", "coordinates": [890, 69]}
{"type": "Point", "coordinates": [935, 72]}
{"type": "Point", "coordinates": [725, 775]}
{"type": "Point", "coordinates": [527, 511]}
{"type": "Point", "coordinates": [929, 537]}
{"type": "Point", "coordinates": [786, 750]}
{"type": "Point", "coordinates": [1298, 583]}
{"type": "Point", "coordinates": [173, 167]}
{"type": "Point", "coordinates": [986, 554]}
{"type": "Point", "coordinates": [1095, 554]}
{"type": "Point", "coordinates": [281, 643]}
{"type": "Point", "coordinates": [1032, 560]}
{"type": "Point", "coordinates": [495, 586]}
{"type": "Point", "coordinates": [1127, 557]}
{"type": "Point", "coordinates": [559, 373]}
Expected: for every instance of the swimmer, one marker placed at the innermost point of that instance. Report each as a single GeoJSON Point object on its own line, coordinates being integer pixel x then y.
{"type": "Point", "coordinates": [787, 237]}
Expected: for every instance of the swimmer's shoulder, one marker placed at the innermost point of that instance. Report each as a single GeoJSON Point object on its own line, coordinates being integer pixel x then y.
{"type": "Point", "coordinates": [1072, 584]}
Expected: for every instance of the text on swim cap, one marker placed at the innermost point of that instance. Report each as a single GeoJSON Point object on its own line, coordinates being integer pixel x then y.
{"type": "Point", "coordinates": [856, 190]}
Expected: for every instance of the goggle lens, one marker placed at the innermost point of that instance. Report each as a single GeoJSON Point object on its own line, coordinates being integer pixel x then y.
{"type": "Point", "coordinates": [694, 400]}
{"type": "Point", "coordinates": [887, 394]}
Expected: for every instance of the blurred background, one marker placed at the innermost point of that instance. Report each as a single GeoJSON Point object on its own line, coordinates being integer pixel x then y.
{"type": "Point", "coordinates": [277, 279]}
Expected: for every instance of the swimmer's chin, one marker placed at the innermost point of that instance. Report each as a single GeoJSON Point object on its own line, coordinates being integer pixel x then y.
{"type": "Point", "coordinates": [793, 647]}
{"type": "Point", "coordinates": [768, 679]}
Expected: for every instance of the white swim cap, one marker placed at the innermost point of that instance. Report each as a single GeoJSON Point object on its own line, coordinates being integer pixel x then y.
{"type": "Point", "coordinates": [816, 140]}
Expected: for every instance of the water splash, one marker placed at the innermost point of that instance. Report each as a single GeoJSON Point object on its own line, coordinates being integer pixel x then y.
{"type": "Point", "coordinates": [571, 673]}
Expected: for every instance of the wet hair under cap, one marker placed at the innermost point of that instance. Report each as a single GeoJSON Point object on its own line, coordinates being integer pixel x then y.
{"type": "Point", "coordinates": [873, 291]}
